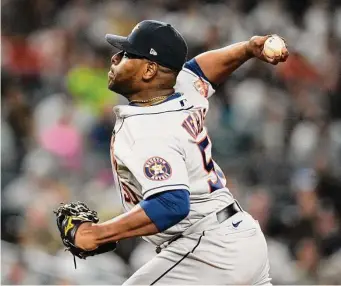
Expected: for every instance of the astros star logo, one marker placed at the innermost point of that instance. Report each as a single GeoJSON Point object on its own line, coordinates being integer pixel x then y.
{"type": "Point", "coordinates": [157, 169]}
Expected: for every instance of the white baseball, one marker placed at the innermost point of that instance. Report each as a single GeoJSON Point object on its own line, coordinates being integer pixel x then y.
{"type": "Point", "coordinates": [273, 47]}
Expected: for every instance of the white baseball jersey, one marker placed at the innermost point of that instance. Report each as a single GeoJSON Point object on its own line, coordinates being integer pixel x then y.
{"type": "Point", "coordinates": [166, 147]}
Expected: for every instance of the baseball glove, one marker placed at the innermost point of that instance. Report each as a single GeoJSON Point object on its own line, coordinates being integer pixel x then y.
{"type": "Point", "coordinates": [69, 218]}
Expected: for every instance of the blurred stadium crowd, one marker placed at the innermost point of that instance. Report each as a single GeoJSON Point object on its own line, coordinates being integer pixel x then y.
{"type": "Point", "coordinates": [276, 130]}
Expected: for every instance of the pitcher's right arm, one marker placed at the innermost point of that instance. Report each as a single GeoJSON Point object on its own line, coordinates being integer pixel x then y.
{"type": "Point", "coordinates": [218, 64]}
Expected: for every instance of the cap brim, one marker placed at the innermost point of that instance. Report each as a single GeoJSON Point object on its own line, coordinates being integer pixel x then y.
{"type": "Point", "coordinates": [121, 43]}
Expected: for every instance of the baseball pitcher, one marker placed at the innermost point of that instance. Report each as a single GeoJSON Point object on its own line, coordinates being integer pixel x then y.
{"type": "Point", "coordinates": [174, 194]}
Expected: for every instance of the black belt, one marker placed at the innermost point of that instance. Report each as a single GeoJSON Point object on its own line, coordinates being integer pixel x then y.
{"type": "Point", "coordinates": [222, 215]}
{"type": "Point", "coordinates": [229, 211]}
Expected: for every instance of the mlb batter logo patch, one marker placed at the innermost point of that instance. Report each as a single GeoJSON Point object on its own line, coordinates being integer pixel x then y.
{"type": "Point", "coordinates": [201, 86]}
{"type": "Point", "coordinates": [157, 169]}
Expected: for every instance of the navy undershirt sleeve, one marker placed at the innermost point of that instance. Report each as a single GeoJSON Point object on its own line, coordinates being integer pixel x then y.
{"type": "Point", "coordinates": [193, 66]}
{"type": "Point", "coordinates": [167, 208]}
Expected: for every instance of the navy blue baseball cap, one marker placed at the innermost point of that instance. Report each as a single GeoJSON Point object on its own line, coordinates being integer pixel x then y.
{"type": "Point", "coordinates": [156, 41]}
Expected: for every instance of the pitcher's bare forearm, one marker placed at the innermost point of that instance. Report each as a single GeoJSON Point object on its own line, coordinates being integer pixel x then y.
{"type": "Point", "coordinates": [217, 65]}
{"type": "Point", "coordinates": [134, 223]}
{"type": "Point", "coordinates": [131, 224]}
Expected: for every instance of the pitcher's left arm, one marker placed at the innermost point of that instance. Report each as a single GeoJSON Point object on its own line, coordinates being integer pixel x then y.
{"type": "Point", "coordinates": [151, 216]}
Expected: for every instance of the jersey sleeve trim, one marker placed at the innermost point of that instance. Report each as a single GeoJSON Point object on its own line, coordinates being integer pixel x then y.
{"type": "Point", "coordinates": [164, 188]}
{"type": "Point", "coordinates": [194, 67]}
{"type": "Point", "coordinates": [168, 208]}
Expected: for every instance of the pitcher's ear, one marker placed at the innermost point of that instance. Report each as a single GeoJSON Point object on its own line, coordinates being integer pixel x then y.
{"type": "Point", "coordinates": [150, 71]}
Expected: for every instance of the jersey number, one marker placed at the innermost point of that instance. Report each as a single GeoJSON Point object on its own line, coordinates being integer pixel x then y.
{"type": "Point", "coordinates": [128, 195]}
{"type": "Point", "coordinates": [209, 165]}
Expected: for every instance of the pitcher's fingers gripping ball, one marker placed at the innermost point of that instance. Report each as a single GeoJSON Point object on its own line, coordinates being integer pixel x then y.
{"type": "Point", "coordinates": [69, 218]}
{"type": "Point", "coordinates": [270, 49]}
{"type": "Point", "coordinates": [274, 48]}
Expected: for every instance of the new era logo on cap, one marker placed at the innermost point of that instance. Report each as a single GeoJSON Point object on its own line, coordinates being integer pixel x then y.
{"type": "Point", "coordinates": [153, 52]}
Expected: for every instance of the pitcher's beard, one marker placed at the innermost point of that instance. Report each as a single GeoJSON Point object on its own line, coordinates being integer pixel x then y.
{"type": "Point", "coordinates": [111, 80]}
{"type": "Point", "coordinates": [116, 85]}
{"type": "Point", "coordinates": [119, 88]}
{"type": "Point", "coordinates": [110, 84]}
